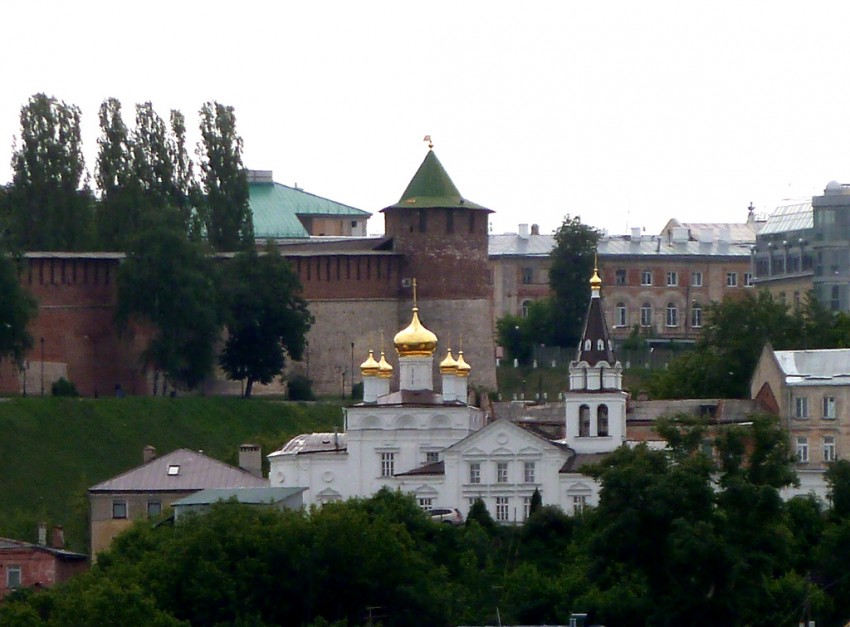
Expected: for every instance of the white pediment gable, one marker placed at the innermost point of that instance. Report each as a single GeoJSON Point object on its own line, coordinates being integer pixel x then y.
{"type": "Point", "coordinates": [503, 436]}
{"type": "Point", "coordinates": [425, 490]}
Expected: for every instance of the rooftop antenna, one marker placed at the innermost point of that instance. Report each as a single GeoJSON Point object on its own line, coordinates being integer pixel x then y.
{"type": "Point", "coordinates": [427, 138]}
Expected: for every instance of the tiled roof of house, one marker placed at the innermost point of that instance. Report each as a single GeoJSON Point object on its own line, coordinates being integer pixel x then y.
{"type": "Point", "coordinates": [178, 471]}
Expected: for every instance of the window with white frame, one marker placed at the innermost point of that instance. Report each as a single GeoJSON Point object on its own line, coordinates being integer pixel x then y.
{"type": "Point", "coordinates": [696, 279]}
{"type": "Point", "coordinates": [119, 508]}
{"type": "Point", "coordinates": [425, 504]}
{"type": "Point", "coordinates": [672, 279]}
{"type": "Point", "coordinates": [602, 420]}
{"type": "Point", "coordinates": [584, 421]}
{"type": "Point", "coordinates": [526, 304]}
{"type": "Point", "coordinates": [475, 472]}
{"type": "Point", "coordinates": [696, 316]}
{"type": "Point", "coordinates": [13, 576]}
{"type": "Point", "coordinates": [801, 407]}
{"type": "Point", "coordinates": [472, 500]}
{"type": "Point", "coordinates": [731, 279]}
{"type": "Point", "coordinates": [646, 277]}
{"type": "Point", "coordinates": [621, 316]}
{"type": "Point", "coordinates": [432, 457]}
{"type": "Point", "coordinates": [802, 449]}
{"type": "Point", "coordinates": [528, 276]}
{"type": "Point", "coordinates": [748, 279]}
{"type": "Point", "coordinates": [672, 315]}
{"type": "Point", "coordinates": [579, 503]}
{"type": "Point", "coordinates": [526, 507]}
{"type": "Point", "coordinates": [501, 472]}
{"type": "Point", "coordinates": [646, 315]}
{"type": "Point", "coordinates": [829, 407]}
{"type": "Point", "coordinates": [387, 464]}
{"type": "Point", "coordinates": [620, 277]}
{"type": "Point", "coordinates": [829, 448]}
{"type": "Point", "coordinates": [528, 472]}
{"type": "Point", "coordinates": [154, 508]}
{"type": "Point", "coordinates": [502, 509]}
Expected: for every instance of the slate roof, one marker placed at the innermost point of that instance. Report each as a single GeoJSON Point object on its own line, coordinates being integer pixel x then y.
{"type": "Point", "coordinates": [276, 208]}
{"type": "Point", "coordinates": [431, 187]}
{"type": "Point", "coordinates": [7, 544]}
{"type": "Point", "coordinates": [249, 496]}
{"type": "Point", "coordinates": [815, 367]}
{"type": "Point", "coordinates": [195, 472]}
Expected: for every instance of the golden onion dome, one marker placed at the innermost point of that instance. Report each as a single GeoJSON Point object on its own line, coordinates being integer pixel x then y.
{"type": "Point", "coordinates": [463, 368]}
{"type": "Point", "coordinates": [370, 367]}
{"type": "Point", "coordinates": [448, 365]}
{"type": "Point", "coordinates": [595, 281]}
{"type": "Point", "coordinates": [415, 340]}
{"type": "Point", "coordinates": [385, 370]}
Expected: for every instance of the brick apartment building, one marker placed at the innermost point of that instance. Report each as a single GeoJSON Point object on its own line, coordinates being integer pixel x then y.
{"type": "Point", "coordinates": [27, 565]}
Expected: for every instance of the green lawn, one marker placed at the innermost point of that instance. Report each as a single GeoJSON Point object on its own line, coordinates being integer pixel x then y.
{"type": "Point", "coordinates": [53, 449]}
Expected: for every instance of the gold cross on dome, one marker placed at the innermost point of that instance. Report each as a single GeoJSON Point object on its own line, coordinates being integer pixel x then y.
{"type": "Point", "coordinates": [414, 292]}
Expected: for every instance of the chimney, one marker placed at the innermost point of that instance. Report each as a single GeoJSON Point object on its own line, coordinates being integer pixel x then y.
{"type": "Point", "coordinates": [636, 234]}
{"type": "Point", "coordinates": [251, 459]}
{"type": "Point", "coordinates": [58, 539]}
{"type": "Point", "coordinates": [148, 454]}
{"type": "Point", "coordinates": [535, 229]}
{"type": "Point", "coordinates": [42, 533]}
{"type": "Point", "coordinates": [523, 231]}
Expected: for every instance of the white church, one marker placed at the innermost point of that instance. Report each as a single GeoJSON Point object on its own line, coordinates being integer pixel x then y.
{"type": "Point", "coordinates": [445, 451]}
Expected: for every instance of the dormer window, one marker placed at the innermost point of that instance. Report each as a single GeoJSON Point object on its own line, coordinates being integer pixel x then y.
{"type": "Point", "coordinates": [173, 470]}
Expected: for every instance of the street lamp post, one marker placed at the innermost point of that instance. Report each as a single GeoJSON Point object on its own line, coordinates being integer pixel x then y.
{"type": "Point", "coordinates": [42, 366]}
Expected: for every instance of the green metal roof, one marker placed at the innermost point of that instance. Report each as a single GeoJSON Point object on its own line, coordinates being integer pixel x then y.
{"type": "Point", "coordinates": [276, 209]}
{"type": "Point", "coordinates": [431, 186]}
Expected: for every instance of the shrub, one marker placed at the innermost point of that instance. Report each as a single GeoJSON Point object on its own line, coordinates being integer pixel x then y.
{"type": "Point", "coordinates": [301, 389]}
{"type": "Point", "coordinates": [63, 387]}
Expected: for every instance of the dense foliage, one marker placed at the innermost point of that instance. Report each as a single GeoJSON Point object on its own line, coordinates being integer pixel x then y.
{"type": "Point", "coordinates": [679, 538]}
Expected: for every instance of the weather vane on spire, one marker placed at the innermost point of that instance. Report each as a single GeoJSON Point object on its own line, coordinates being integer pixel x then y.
{"type": "Point", "coordinates": [427, 138]}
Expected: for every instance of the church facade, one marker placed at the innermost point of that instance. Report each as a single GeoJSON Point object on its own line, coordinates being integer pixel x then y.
{"type": "Point", "coordinates": [447, 452]}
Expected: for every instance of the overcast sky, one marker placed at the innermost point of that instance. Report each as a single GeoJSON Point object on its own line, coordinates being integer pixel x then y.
{"type": "Point", "coordinates": [624, 113]}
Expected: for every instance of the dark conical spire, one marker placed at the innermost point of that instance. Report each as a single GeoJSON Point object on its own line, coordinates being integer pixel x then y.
{"type": "Point", "coordinates": [595, 342]}
{"type": "Point", "coordinates": [431, 186]}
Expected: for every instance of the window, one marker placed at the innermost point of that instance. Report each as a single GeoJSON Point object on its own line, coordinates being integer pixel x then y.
{"type": "Point", "coordinates": [527, 276]}
{"type": "Point", "coordinates": [502, 472]}
{"type": "Point", "coordinates": [696, 279]}
{"type": "Point", "coordinates": [620, 277]}
{"type": "Point", "coordinates": [425, 504]}
{"type": "Point", "coordinates": [528, 472]}
{"type": "Point", "coordinates": [13, 576]}
{"type": "Point", "coordinates": [387, 464]}
{"type": "Point", "coordinates": [672, 315]}
{"type": "Point", "coordinates": [584, 421]}
{"type": "Point", "coordinates": [731, 279]}
{"type": "Point", "coordinates": [579, 503]}
{"type": "Point", "coordinates": [432, 457]}
{"type": "Point", "coordinates": [119, 509]}
{"type": "Point", "coordinates": [526, 507]}
{"type": "Point", "coordinates": [802, 449]}
{"type": "Point", "coordinates": [526, 304]}
{"type": "Point", "coordinates": [620, 316]}
{"type": "Point", "coordinates": [801, 407]}
{"type": "Point", "coordinates": [829, 407]}
{"type": "Point", "coordinates": [672, 279]}
{"type": "Point", "coordinates": [475, 472]}
{"type": "Point", "coordinates": [173, 470]}
{"type": "Point", "coordinates": [602, 420]}
{"type": "Point", "coordinates": [828, 448]}
{"type": "Point", "coordinates": [696, 316]}
{"type": "Point", "coordinates": [835, 298]}
{"type": "Point", "coordinates": [154, 508]}
{"type": "Point", "coordinates": [748, 279]}
{"type": "Point", "coordinates": [646, 277]}
{"type": "Point", "coordinates": [646, 315]}
{"type": "Point", "coordinates": [502, 509]}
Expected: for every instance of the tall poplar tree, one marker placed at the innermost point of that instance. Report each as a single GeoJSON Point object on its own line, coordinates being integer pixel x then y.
{"type": "Point", "coordinates": [227, 214]}
{"type": "Point", "coordinates": [50, 207]}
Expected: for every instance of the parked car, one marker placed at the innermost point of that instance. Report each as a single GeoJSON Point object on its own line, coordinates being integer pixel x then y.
{"type": "Point", "coordinates": [448, 515]}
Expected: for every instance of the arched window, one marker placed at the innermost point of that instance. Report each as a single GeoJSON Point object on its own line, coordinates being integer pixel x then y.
{"type": "Point", "coordinates": [672, 315]}
{"type": "Point", "coordinates": [584, 421]}
{"type": "Point", "coordinates": [602, 420]}
{"type": "Point", "coordinates": [621, 316]}
{"type": "Point", "coordinates": [526, 304]}
{"type": "Point", "coordinates": [646, 315]}
{"type": "Point", "coordinates": [587, 345]}
{"type": "Point", "coordinates": [600, 345]}
{"type": "Point", "coordinates": [696, 316]}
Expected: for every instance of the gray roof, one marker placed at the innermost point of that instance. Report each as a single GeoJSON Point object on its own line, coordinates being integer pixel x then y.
{"type": "Point", "coordinates": [313, 443]}
{"type": "Point", "coordinates": [625, 246]}
{"type": "Point", "coordinates": [7, 544]}
{"type": "Point", "coordinates": [194, 471]}
{"type": "Point", "coordinates": [249, 496]}
{"type": "Point", "coordinates": [738, 232]}
{"type": "Point", "coordinates": [794, 216]}
{"type": "Point", "coordinates": [815, 367]}
{"type": "Point", "coordinates": [512, 245]}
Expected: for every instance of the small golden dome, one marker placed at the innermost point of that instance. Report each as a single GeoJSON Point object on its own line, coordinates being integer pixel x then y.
{"type": "Point", "coordinates": [370, 367]}
{"type": "Point", "coordinates": [595, 281]}
{"type": "Point", "coordinates": [448, 365]}
{"type": "Point", "coordinates": [385, 370]}
{"type": "Point", "coordinates": [415, 340]}
{"type": "Point", "coordinates": [463, 368]}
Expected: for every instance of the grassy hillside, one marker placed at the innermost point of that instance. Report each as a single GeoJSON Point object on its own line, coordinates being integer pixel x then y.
{"type": "Point", "coordinates": [53, 449]}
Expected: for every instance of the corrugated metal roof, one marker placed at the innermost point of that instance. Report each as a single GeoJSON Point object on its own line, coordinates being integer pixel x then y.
{"type": "Point", "coordinates": [654, 246]}
{"type": "Point", "coordinates": [797, 216]}
{"type": "Point", "coordinates": [249, 496]}
{"type": "Point", "coordinates": [511, 244]}
{"type": "Point", "coordinates": [738, 232]}
{"type": "Point", "coordinates": [815, 367]}
{"type": "Point", "coordinates": [194, 471]}
{"type": "Point", "coordinates": [7, 544]}
{"type": "Point", "coordinates": [276, 207]}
